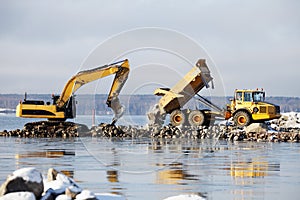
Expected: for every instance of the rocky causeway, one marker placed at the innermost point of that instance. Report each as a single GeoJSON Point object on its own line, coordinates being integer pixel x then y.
{"type": "Point", "coordinates": [284, 129]}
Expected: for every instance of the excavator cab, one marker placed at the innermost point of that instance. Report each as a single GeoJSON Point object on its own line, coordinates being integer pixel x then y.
{"type": "Point", "coordinates": [69, 108]}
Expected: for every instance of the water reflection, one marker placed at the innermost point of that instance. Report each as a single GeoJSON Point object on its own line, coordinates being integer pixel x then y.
{"type": "Point", "coordinates": [45, 154]}
{"type": "Point", "coordinates": [174, 174]}
{"type": "Point", "coordinates": [34, 158]}
{"type": "Point", "coordinates": [249, 169]}
{"type": "Point", "coordinates": [112, 176]}
{"type": "Point", "coordinates": [161, 168]}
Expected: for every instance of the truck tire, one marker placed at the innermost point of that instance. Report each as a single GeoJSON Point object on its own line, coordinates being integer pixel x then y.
{"type": "Point", "coordinates": [177, 118]}
{"type": "Point", "coordinates": [196, 118]}
{"type": "Point", "coordinates": [241, 119]}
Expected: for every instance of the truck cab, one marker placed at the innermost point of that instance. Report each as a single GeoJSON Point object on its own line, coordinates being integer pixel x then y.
{"type": "Point", "coordinates": [249, 106]}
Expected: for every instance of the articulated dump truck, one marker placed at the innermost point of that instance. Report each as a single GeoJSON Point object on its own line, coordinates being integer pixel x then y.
{"type": "Point", "coordinates": [244, 111]}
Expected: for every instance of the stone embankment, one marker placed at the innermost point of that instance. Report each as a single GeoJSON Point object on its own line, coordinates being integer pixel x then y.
{"type": "Point", "coordinates": [285, 129]}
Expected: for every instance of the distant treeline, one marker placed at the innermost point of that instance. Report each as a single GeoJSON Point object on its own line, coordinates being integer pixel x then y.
{"type": "Point", "coordinates": [135, 104]}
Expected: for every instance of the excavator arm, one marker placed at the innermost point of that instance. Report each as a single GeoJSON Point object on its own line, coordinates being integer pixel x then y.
{"type": "Point", "coordinates": [120, 68]}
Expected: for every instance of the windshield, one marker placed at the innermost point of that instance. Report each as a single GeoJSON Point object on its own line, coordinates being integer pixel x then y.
{"type": "Point", "coordinates": [258, 96]}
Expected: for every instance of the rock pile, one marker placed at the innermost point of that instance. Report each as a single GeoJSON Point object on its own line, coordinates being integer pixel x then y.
{"type": "Point", "coordinates": [285, 129]}
{"type": "Point", "coordinates": [255, 132]}
{"type": "Point", "coordinates": [28, 184]}
{"type": "Point", "coordinates": [108, 130]}
{"type": "Point", "coordinates": [287, 122]}
{"type": "Point", "coordinates": [48, 129]}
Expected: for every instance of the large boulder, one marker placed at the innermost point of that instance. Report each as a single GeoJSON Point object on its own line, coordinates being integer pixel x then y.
{"type": "Point", "coordinates": [26, 180]}
{"type": "Point", "coordinates": [59, 185]}
{"type": "Point", "coordinates": [58, 180]}
{"type": "Point", "coordinates": [256, 128]}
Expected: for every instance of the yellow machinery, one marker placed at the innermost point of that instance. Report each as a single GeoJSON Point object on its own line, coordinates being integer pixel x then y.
{"type": "Point", "coordinates": [249, 106]}
{"type": "Point", "coordinates": [63, 106]}
{"type": "Point", "coordinates": [174, 99]}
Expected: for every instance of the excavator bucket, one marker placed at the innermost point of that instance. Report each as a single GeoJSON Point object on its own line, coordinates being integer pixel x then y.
{"type": "Point", "coordinates": [117, 108]}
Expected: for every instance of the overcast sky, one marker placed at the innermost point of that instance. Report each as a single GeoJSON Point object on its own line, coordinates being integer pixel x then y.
{"type": "Point", "coordinates": [250, 43]}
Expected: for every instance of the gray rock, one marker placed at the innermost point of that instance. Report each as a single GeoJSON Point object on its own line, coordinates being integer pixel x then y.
{"type": "Point", "coordinates": [256, 128]}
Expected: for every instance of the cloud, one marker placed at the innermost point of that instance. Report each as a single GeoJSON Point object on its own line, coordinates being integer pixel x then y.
{"type": "Point", "coordinates": [253, 43]}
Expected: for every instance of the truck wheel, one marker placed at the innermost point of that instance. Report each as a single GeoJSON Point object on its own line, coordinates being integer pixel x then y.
{"type": "Point", "coordinates": [241, 119]}
{"type": "Point", "coordinates": [196, 118]}
{"type": "Point", "coordinates": [177, 118]}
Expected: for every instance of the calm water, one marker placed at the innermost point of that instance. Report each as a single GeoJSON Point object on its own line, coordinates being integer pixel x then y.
{"type": "Point", "coordinates": [157, 169]}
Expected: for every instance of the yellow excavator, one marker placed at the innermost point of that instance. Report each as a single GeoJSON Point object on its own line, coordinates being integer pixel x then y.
{"type": "Point", "coordinates": [63, 106]}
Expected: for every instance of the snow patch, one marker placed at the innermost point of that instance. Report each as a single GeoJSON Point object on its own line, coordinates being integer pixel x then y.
{"type": "Point", "coordinates": [85, 194]}
{"type": "Point", "coordinates": [18, 196]}
{"type": "Point", "coordinates": [28, 174]}
{"type": "Point", "coordinates": [63, 197]}
{"type": "Point", "coordinates": [186, 197]}
{"type": "Point", "coordinates": [61, 182]}
{"type": "Point", "coordinates": [108, 196]}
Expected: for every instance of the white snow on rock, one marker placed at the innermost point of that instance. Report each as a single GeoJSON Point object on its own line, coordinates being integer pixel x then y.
{"type": "Point", "coordinates": [292, 120]}
{"type": "Point", "coordinates": [18, 196]}
{"type": "Point", "coordinates": [185, 197]}
{"type": "Point", "coordinates": [61, 182]}
{"type": "Point", "coordinates": [63, 197]}
{"type": "Point", "coordinates": [57, 184]}
{"type": "Point", "coordinates": [287, 120]}
{"type": "Point", "coordinates": [108, 196]}
{"type": "Point", "coordinates": [85, 194]}
{"type": "Point", "coordinates": [28, 174]}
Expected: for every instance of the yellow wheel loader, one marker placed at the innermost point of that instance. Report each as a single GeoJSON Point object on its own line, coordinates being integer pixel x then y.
{"type": "Point", "coordinates": [249, 106]}
{"type": "Point", "coordinates": [63, 106]}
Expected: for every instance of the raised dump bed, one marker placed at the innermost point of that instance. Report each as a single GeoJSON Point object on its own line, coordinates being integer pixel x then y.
{"type": "Point", "coordinates": [173, 100]}
{"type": "Point", "coordinates": [176, 97]}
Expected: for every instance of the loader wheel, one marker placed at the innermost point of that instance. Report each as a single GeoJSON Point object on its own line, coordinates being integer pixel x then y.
{"type": "Point", "coordinates": [196, 118]}
{"type": "Point", "coordinates": [177, 118]}
{"type": "Point", "coordinates": [241, 119]}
